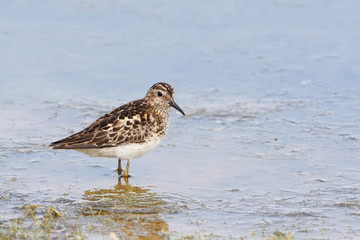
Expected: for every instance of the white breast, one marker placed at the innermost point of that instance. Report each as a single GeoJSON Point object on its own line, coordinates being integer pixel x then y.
{"type": "Point", "coordinates": [124, 152]}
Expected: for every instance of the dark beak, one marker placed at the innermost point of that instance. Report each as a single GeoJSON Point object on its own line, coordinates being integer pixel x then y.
{"type": "Point", "coordinates": [174, 105]}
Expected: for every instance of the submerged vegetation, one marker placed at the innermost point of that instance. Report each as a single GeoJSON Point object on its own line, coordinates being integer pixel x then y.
{"type": "Point", "coordinates": [122, 212]}
{"type": "Point", "coordinates": [39, 223]}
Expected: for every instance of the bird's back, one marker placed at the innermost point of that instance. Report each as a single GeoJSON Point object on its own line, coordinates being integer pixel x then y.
{"type": "Point", "coordinates": [131, 123]}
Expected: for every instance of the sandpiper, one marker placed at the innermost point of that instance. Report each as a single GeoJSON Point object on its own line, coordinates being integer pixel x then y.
{"type": "Point", "coordinates": [129, 131]}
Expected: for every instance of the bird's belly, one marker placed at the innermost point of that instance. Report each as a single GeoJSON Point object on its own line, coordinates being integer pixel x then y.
{"type": "Point", "coordinates": [126, 151]}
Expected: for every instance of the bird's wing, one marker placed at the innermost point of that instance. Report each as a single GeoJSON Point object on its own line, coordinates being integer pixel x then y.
{"type": "Point", "coordinates": [126, 124]}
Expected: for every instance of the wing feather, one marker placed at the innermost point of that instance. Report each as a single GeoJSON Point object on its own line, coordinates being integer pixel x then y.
{"type": "Point", "coordinates": [126, 124]}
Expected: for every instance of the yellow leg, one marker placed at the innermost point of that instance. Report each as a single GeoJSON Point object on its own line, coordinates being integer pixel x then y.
{"type": "Point", "coordinates": [126, 173]}
{"type": "Point", "coordinates": [121, 186]}
{"type": "Point", "coordinates": [119, 169]}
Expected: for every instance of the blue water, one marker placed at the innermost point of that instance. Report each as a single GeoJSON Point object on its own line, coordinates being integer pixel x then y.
{"type": "Point", "coordinates": [271, 89]}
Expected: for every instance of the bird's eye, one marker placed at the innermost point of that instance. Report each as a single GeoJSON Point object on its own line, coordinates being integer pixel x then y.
{"type": "Point", "coordinates": [159, 94]}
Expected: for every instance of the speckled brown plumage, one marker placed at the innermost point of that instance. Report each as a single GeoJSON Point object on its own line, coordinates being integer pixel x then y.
{"type": "Point", "coordinates": [139, 123]}
{"type": "Point", "coordinates": [130, 123]}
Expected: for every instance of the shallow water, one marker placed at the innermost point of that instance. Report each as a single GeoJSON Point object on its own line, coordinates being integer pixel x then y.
{"type": "Point", "coordinates": [270, 140]}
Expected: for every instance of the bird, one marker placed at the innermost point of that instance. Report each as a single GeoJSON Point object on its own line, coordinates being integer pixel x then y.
{"type": "Point", "coordinates": [129, 131]}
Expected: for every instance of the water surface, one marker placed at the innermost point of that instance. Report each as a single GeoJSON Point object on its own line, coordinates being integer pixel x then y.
{"type": "Point", "coordinates": [271, 136]}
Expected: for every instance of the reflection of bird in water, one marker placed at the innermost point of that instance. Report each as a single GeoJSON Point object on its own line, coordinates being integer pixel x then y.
{"type": "Point", "coordinates": [129, 131]}
{"type": "Point", "coordinates": [129, 211]}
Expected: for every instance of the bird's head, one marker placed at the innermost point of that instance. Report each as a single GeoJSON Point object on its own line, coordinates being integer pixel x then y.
{"type": "Point", "coordinates": [162, 95]}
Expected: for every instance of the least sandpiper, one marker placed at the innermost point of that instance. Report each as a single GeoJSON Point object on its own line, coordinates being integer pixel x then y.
{"type": "Point", "coordinates": [129, 131]}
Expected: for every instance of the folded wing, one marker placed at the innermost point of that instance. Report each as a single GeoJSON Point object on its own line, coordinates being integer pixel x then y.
{"type": "Point", "coordinates": [113, 129]}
